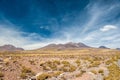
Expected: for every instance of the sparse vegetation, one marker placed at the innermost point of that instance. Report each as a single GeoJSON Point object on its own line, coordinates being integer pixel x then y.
{"type": "Point", "coordinates": [94, 71]}
{"type": "Point", "coordinates": [32, 62]}
{"type": "Point", "coordinates": [1, 74]}
{"type": "Point", "coordinates": [78, 62]}
{"type": "Point", "coordinates": [101, 71]}
{"type": "Point", "coordinates": [44, 76]}
{"type": "Point", "coordinates": [114, 72]}
{"type": "Point", "coordinates": [23, 75]}
{"type": "Point", "coordinates": [25, 72]}
{"type": "Point", "coordinates": [95, 64]}
{"type": "Point", "coordinates": [68, 64]}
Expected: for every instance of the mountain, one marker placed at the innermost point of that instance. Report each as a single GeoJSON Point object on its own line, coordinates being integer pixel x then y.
{"type": "Point", "coordinates": [103, 47]}
{"type": "Point", "coordinates": [118, 48]}
{"type": "Point", "coordinates": [10, 48]}
{"type": "Point", "coordinates": [69, 45]}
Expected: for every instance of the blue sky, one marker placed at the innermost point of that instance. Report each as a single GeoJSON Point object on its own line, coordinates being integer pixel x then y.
{"type": "Point", "coordinates": [32, 24]}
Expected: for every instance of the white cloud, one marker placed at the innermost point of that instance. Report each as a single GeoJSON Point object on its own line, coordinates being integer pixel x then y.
{"type": "Point", "coordinates": [99, 14]}
{"type": "Point", "coordinates": [108, 28]}
{"type": "Point", "coordinates": [44, 27]}
{"type": "Point", "coordinates": [16, 38]}
{"type": "Point", "coordinates": [28, 42]}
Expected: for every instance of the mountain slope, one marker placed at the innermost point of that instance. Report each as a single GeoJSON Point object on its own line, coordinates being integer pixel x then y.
{"type": "Point", "coordinates": [118, 48]}
{"type": "Point", "coordinates": [69, 45]}
{"type": "Point", "coordinates": [103, 47]}
{"type": "Point", "coordinates": [10, 48]}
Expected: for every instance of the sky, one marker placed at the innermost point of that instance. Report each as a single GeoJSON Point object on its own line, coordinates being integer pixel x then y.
{"type": "Point", "coordinates": [32, 24]}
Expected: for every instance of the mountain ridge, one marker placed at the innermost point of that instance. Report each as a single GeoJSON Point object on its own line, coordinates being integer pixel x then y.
{"type": "Point", "coordinates": [9, 47]}
{"type": "Point", "coordinates": [69, 45]}
{"type": "Point", "coordinates": [103, 47]}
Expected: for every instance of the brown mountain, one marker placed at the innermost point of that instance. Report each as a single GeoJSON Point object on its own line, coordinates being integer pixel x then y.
{"type": "Point", "coordinates": [118, 48]}
{"type": "Point", "coordinates": [103, 47]}
{"type": "Point", "coordinates": [69, 45]}
{"type": "Point", "coordinates": [10, 48]}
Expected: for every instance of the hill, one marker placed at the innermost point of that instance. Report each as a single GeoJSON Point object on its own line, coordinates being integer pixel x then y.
{"type": "Point", "coordinates": [10, 48]}
{"type": "Point", "coordinates": [103, 47]}
{"type": "Point", "coordinates": [69, 45]}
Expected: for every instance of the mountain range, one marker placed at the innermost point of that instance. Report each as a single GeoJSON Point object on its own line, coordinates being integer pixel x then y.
{"type": "Point", "coordinates": [10, 48]}
{"type": "Point", "coordinates": [69, 45]}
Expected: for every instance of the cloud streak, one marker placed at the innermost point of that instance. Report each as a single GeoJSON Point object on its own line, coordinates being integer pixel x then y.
{"type": "Point", "coordinates": [101, 26]}
{"type": "Point", "coordinates": [108, 28]}
{"type": "Point", "coordinates": [97, 24]}
{"type": "Point", "coordinates": [25, 40]}
{"type": "Point", "coordinates": [16, 37]}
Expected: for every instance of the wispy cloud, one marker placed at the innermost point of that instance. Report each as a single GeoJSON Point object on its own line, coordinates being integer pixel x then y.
{"type": "Point", "coordinates": [44, 27]}
{"type": "Point", "coordinates": [23, 39]}
{"type": "Point", "coordinates": [108, 28]}
{"type": "Point", "coordinates": [98, 24]}
{"type": "Point", "coordinates": [101, 26]}
{"type": "Point", "coordinates": [100, 13]}
{"type": "Point", "coordinates": [17, 37]}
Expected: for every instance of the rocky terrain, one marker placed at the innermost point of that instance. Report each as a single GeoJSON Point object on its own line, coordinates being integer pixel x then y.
{"type": "Point", "coordinates": [78, 64]}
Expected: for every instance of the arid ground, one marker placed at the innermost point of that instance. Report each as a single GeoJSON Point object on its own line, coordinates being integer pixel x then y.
{"type": "Point", "coordinates": [82, 64]}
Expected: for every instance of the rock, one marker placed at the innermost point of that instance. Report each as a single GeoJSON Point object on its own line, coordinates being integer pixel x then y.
{"type": "Point", "coordinates": [118, 62]}
{"type": "Point", "coordinates": [33, 78]}
{"type": "Point", "coordinates": [1, 59]}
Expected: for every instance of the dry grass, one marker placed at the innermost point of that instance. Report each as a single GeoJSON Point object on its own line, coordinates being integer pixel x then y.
{"type": "Point", "coordinates": [71, 63]}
